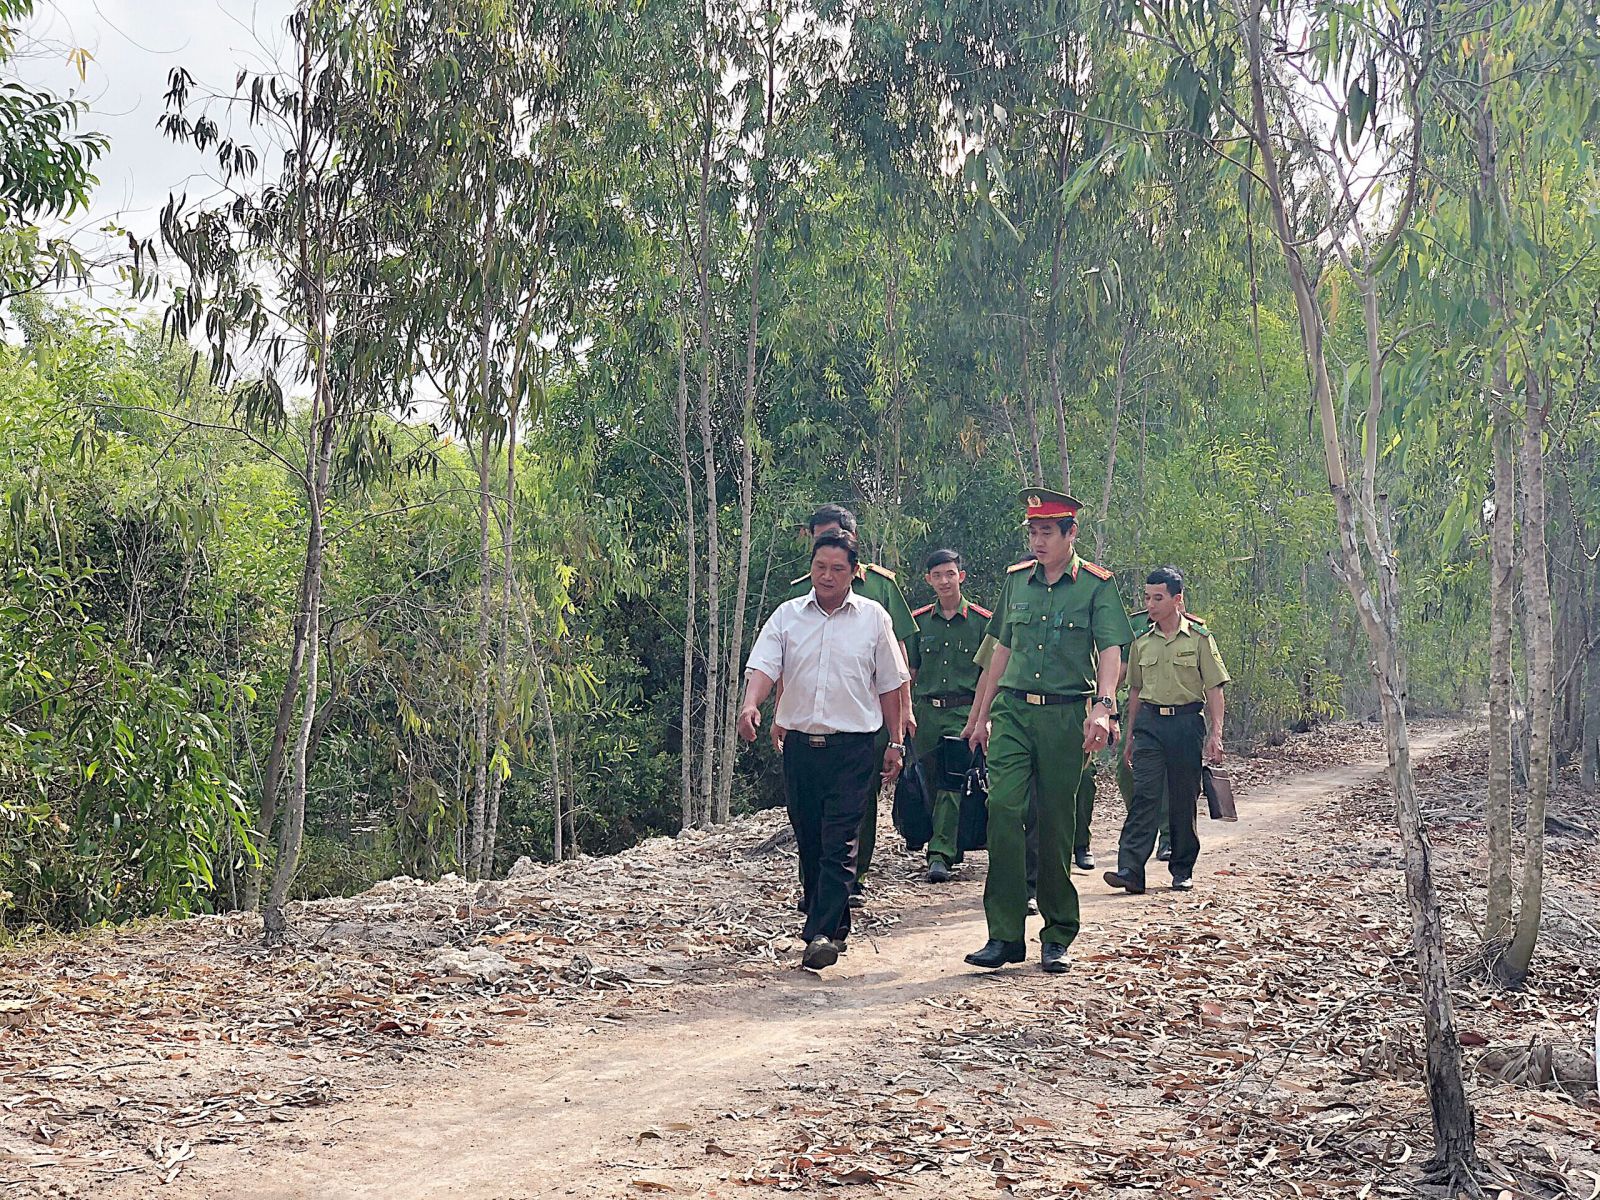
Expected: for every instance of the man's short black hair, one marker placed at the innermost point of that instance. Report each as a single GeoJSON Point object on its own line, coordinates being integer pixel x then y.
{"type": "Point", "coordinates": [1169, 576]}
{"type": "Point", "coordinates": [939, 557]}
{"type": "Point", "coordinates": [833, 514]}
{"type": "Point", "coordinates": [843, 539]}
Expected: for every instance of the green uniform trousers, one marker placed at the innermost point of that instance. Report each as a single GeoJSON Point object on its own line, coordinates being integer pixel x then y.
{"type": "Point", "coordinates": [867, 835]}
{"type": "Point", "coordinates": [1031, 744]}
{"type": "Point", "coordinates": [1125, 786]}
{"type": "Point", "coordinates": [933, 725]}
{"type": "Point", "coordinates": [1085, 807]}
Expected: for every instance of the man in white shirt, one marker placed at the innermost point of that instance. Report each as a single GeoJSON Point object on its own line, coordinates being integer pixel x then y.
{"type": "Point", "coordinates": [842, 674]}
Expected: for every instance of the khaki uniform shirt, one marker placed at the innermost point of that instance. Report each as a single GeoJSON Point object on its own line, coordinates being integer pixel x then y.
{"type": "Point", "coordinates": [1176, 670]}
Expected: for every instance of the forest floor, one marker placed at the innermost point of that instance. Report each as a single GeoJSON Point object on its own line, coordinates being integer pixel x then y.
{"type": "Point", "coordinates": [638, 1026]}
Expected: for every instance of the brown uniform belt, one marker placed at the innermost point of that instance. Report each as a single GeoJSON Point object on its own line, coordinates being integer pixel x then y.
{"type": "Point", "coordinates": [1173, 710]}
{"type": "Point", "coordinates": [950, 699]}
{"type": "Point", "coordinates": [1045, 697]}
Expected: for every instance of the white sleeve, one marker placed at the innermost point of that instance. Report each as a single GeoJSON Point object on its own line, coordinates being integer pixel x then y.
{"type": "Point", "coordinates": [766, 655]}
{"type": "Point", "coordinates": [891, 665]}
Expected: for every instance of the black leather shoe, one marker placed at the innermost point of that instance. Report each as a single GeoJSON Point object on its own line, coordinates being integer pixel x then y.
{"type": "Point", "coordinates": [1033, 906]}
{"type": "Point", "coordinates": [1183, 885]}
{"type": "Point", "coordinates": [996, 953]}
{"type": "Point", "coordinates": [1084, 858]}
{"type": "Point", "coordinates": [820, 952]}
{"type": "Point", "coordinates": [1163, 853]}
{"type": "Point", "coordinates": [938, 871]}
{"type": "Point", "coordinates": [1123, 882]}
{"type": "Point", "coordinates": [857, 900]}
{"type": "Point", "coordinates": [1053, 958]}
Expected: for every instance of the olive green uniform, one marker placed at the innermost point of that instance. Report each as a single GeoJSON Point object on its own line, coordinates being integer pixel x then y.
{"type": "Point", "coordinates": [1172, 676]}
{"type": "Point", "coordinates": [1053, 631]}
{"type": "Point", "coordinates": [942, 652]}
{"type": "Point", "coordinates": [875, 583]}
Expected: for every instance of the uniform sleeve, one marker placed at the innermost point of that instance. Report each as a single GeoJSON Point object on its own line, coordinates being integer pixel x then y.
{"type": "Point", "coordinates": [985, 654]}
{"type": "Point", "coordinates": [890, 668]}
{"type": "Point", "coordinates": [1000, 623]}
{"type": "Point", "coordinates": [766, 655]}
{"type": "Point", "coordinates": [1212, 672]}
{"type": "Point", "coordinates": [1135, 676]}
{"type": "Point", "coordinates": [905, 625]}
{"type": "Point", "coordinates": [913, 648]}
{"type": "Point", "coordinates": [1108, 620]}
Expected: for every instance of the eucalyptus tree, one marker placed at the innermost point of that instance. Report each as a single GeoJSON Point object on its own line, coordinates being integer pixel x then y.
{"type": "Point", "coordinates": [275, 276]}
{"type": "Point", "coordinates": [1320, 108]}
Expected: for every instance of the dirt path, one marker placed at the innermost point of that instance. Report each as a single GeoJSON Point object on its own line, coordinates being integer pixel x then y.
{"type": "Point", "coordinates": [583, 1111]}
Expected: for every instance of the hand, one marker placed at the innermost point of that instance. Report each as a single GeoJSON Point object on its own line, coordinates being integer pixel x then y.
{"type": "Point", "coordinates": [1127, 751]}
{"type": "Point", "coordinates": [777, 734]}
{"type": "Point", "coordinates": [893, 760]}
{"type": "Point", "coordinates": [1213, 751]}
{"type": "Point", "coordinates": [1096, 731]}
{"type": "Point", "coordinates": [977, 736]}
{"type": "Point", "coordinates": [749, 718]}
{"type": "Point", "coordinates": [911, 725]}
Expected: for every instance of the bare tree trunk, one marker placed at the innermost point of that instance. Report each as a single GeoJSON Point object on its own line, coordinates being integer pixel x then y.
{"type": "Point", "coordinates": [485, 689]}
{"type": "Point", "coordinates": [713, 656]}
{"type": "Point", "coordinates": [1030, 404]}
{"type": "Point", "coordinates": [1118, 388]}
{"type": "Point", "coordinates": [1454, 1127]}
{"type": "Point", "coordinates": [1513, 968]}
{"type": "Point", "coordinates": [747, 469]}
{"type": "Point", "coordinates": [503, 650]}
{"type": "Point", "coordinates": [1590, 755]}
{"type": "Point", "coordinates": [691, 585]}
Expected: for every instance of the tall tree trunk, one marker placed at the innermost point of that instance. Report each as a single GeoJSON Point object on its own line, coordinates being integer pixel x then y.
{"type": "Point", "coordinates": [502, 671]}
{"type": "Point", "coordinates": [1502, 550]}
{"type": "Point", "coordinates": [1590, 756]}
{"type": "Point", "coordinates": [1454, 1130]}
{"type": "Point", "coordinates": [1030, 405]}
{"type": "Point", "coordinates": [484, 682]}
{"type": "Point", "coordinates": [691, 585]}
{"type": "Point", "coordinates": [747, 468]}
{"type": "Point", "coordinates": [1119, 386]}
{"type": "Point", "coordinates": [1513, 968]}
{"type": "Point", "coordinates": [713, 655]}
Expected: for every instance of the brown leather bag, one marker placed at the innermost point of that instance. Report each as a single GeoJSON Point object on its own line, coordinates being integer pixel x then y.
{"type": "Point", "coordinates": [1218, 788]}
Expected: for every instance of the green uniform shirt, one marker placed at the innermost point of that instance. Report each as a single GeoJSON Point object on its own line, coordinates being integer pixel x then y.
{"type": "Point", "coordinates": [1054, 630]}
{"type": "Point", "coordinates": [942, 651]}
{"type": "Point", "coordinates": [1176, 670]}
{"type": "Point", "coordinates": [875, 583]}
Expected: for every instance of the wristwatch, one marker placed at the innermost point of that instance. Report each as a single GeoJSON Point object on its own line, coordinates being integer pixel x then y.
{"type": "Point", "coordinates": [1108, 702]}
{"type": "Point", "coordinates": [900, 746]}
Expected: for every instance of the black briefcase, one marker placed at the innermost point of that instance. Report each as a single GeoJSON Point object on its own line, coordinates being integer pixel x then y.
{"type": "Point", "coordinates": [972, 830]}
{"type": "Point", "coordinates": [913, 804]}
{"type": "Point", "coordinates": [1217, 787]}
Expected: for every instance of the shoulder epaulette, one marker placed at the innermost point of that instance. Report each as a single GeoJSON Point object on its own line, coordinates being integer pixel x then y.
{"type": "Point", "coordinates": [923, 611]}
{"type": "Point", "coordinates": [977, 608]}
{"type": "Point", "coordinates": [1198, 624]}
{"type": "Point", "coordinates": [884, 571]}
{"type": "Point", "coordinates": [1021, 566]}
{"type": "Point", "coordinates": [1095, 569]}
{"type": "Point", "coordinates": [806, 578]}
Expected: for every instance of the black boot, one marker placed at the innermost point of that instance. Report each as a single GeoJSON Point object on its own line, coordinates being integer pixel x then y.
{"type": "Point", "coordinates": [996, 953]}
{"type": "Point", "coordinates": [1053, 958]}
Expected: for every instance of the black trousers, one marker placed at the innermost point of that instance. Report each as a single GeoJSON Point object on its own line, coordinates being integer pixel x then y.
{"type": "Point", "coordinates": [1166, 756]}
{"type": "Point", "coordinates": [828, 787]}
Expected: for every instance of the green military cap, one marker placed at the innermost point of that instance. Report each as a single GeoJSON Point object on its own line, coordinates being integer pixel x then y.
{"type": "Point", "coordinates": [1047, 503]}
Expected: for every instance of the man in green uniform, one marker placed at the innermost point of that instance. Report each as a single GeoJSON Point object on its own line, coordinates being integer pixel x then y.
{"type": "Point", "coordinates": [1061, 629]}
{"type": "Point", "coordinates": [1175, 710]}
{"type": "Point", "coordinates": [878, 584]}
{"type": "Point", "coordinates": [944, 680]}
{"type": "Point", "coordinates": [1141, 625]}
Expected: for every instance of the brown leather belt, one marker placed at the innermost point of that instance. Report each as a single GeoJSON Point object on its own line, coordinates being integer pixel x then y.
{"type": "Point", "coordinates": [1176, 710]}
{"type": "Point", "coordinates": [1045, 697]}
{"type": "Point", "coordinates": [951, 699]}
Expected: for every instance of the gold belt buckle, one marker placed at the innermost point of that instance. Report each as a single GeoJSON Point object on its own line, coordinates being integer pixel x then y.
{"type": "Point", "coordinates": [938, 703]}
{"type": "Point", "coordinates": [1034, 698]}
{"type": "Point", "coordinates": [1166, 710]}
{"type": "Point", "coordinates": [817, 740]}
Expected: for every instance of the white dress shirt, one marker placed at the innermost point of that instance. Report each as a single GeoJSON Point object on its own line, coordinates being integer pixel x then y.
{"type": "Point", "coordinates": [834, 666]}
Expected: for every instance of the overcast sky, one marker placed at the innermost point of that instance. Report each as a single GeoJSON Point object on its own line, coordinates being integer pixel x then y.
{"type": "Point", "coordinates": [134, 44]}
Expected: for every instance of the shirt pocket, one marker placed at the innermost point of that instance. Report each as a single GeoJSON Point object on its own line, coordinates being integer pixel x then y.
{"type": "Point", "coordinates": [1149, 656]}
{"type": "Point", "coordinates": [1187, 658]}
